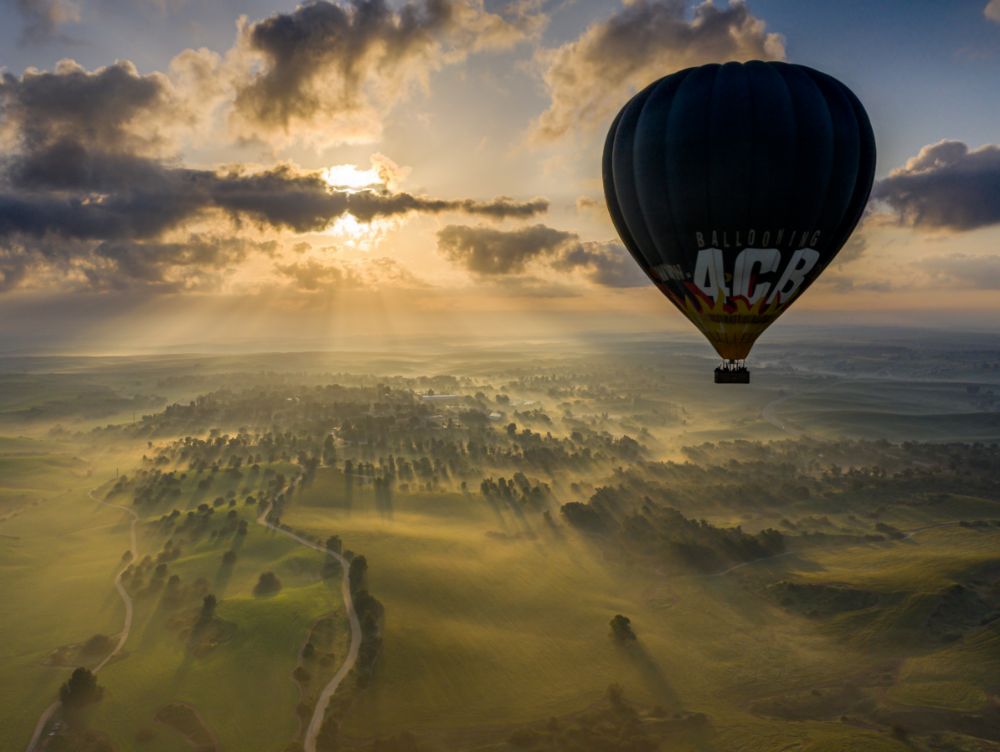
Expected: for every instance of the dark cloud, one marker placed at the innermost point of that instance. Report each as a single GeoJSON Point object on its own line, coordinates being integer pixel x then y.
{"type": "Point", "coordinates": [198, 262]}
{"type": "Point", "coordinates": [369, 204]}
{"type": "Point", "coordinates": [111, 109]}
{"type": "Point", "coordinates": [347, 58]}
{"type": "Point", "coordinates": [644, 40]}
{"type": "Point", "coordinates": [490, 252]}
{"type": "Point", "coordinates": [606, 264]}
{"type": "Point", "coordinates": [321, 38]}
{"type": "Point", "coordinates": [115, 236]}
{"type": "Point", "coordinates": [487, 251]}
{"type": "Point", "coordinates": [946, 186]}
{"type": "Point", "coordinates": [138, 215]}
{"type": "Point", "coordinates": [44, 18]}
{"type": "Point", "coordinates": [280, 198]}
{"type": "Point", "coordinates": [83, 176]}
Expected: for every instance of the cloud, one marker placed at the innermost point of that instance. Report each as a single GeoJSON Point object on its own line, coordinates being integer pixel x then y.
{"type": "Point", "coordinates": [332, 275]}
{"type": "Point", "coordinates": [113, 108]}
{"type": "Point", "coordinates": [367, 205]}
{"type": "Point", "coordinates": [594, 209]}
{"type": "Point", "coordinates": [87, 175]}
{"type": "Point", "coordinates": [992, 11]}
{"type": "Point", "coordinates": [199, 262]}
{"type": "Point", "coordinates": [43, 18]}
{"type": "Point", "coordinates": [963, 270]}
{"type": "Point", "coordinates": [853, 249]}
{"type": "Point", "coordinates": [122, 229]}
{"type": "Point", "coordinates": [142, 198]}
{"type": "Point", "coordinates": [589, 78]}
{"type": "Point", "coordinates": [489, 252]}
{"type": "Point", "coordinates": [329, 70]}
{"type": "Point", "coordinates": [605, 264]}
{"type": "Point", "coordinates": [312, 276]}
{"type": "Point", "coordinates": [946, 186]}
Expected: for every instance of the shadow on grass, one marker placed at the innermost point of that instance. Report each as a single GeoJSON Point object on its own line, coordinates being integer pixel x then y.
{"type": "Point", "coordinates": [652, 673]}
{"type": "Point", "coordinates": [497, 511]}
{"type": "Point", "coordinates": [222, 576]}
{"type": "Point", "coordinates": [383, 501]}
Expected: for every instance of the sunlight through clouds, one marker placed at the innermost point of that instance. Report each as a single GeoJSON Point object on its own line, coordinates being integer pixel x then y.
{"type": "Point", "coordinates": [360, 236]}
{"type": "Point", "coordinates": [349, 178]}
{"type": "Point", "coordinates": [382, 175]}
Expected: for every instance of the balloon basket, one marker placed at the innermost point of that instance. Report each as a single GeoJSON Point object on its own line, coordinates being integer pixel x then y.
{"type": "Point", "coordinates": [732, 372]}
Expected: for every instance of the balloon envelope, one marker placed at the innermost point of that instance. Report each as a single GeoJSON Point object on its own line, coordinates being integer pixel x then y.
{"type": "Point", "coordinates": [733, 186]}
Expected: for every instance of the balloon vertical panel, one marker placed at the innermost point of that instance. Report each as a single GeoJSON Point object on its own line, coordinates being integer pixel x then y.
{"type": "Point", "coordinates": [733, 186]}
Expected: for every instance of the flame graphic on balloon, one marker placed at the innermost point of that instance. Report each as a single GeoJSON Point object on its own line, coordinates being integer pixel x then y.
{"type": "Point", "coordinates": [731, 324]}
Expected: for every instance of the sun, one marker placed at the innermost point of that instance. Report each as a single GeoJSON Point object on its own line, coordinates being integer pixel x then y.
{"type": "Point", "coordinates": [350, 179]}
{"type": "Point", "coordinates": [351, 232]}
{"type": "Point", "coordinates": [359, 236]}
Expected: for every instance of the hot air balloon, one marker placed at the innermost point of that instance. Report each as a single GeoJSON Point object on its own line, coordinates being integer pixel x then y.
{"type": "Point", "coordinates": [733, 186]}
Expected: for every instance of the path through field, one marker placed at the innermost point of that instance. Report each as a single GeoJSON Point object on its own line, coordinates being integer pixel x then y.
{"type": "Point", "coordinates": [133, 551]}
{"type": "Point", "coordinates": [316, 722]}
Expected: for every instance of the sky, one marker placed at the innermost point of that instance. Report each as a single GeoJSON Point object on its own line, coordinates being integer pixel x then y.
{"type": "Point", "coordinates": [181, 174]}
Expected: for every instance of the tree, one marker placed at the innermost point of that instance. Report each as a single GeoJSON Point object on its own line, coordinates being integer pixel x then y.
{"type": "Point", "coordinates": [268, 584]}
{"type": "Point", "coordinates": [356, 573]}
{"type": "Point", "coordinates": [334, 544]}
{"type": "Point", "coordinates": [229, 558]}
{"type": "Point", "coordinates": [208, 604]}
{"type": "Point", "coordinates": [583, 516]}
{"type": "Point", "coordinates": [81, 689]}
{"type": "Point", "coordinates": [97, 645]}
{"type": "Point", "coordinates": [621, 628]}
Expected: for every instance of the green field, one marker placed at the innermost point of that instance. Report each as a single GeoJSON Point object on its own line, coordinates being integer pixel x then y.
{"type": "Point", "coordinates": [503, 632]}
{"type": "Point", "coordinates": [59, 557]}
{"type": "Point", "coordinates": [874, 626]}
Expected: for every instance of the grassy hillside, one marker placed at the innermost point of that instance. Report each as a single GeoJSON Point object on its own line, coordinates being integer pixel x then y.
{"type": "Point", "coordinates": [810, 563]}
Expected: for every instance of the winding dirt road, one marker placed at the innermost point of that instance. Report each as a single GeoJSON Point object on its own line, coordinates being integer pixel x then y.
{"type": "Point", "coordinates": [126, 598]}
{"type": "Point", "coordinates": [123, 636]}
{"type": "Point", "coordinates": [316, 722]}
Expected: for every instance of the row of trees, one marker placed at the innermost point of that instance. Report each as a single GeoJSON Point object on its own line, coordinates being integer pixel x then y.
{"type": "Point", "coordinates": [663, 533]}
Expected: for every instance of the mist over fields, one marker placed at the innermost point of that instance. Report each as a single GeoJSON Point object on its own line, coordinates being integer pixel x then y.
{"type": "Point", "coordinates": [553, 546]}
{"type": "Point", "coordinates": [344, 405]}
